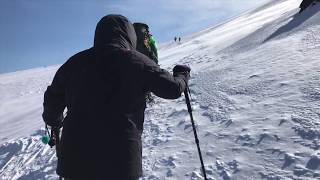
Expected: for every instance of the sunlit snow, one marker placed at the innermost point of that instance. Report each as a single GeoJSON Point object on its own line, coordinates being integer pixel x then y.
{"type": "Point", "coordinates": [255, 89]}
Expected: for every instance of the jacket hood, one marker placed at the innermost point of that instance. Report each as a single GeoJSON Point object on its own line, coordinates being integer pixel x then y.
{"type": "Point", "coordinates": [115, 30]}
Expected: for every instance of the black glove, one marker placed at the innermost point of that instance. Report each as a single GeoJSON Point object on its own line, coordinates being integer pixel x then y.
{"type": "Point", "coordinates": [57, 123]}
{"type": "Point", "coordinates": [181, 69]}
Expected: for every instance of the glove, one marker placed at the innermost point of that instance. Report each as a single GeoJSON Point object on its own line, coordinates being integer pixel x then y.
{"type": "Point", "coordinates": [54, 123]}
{"type": "Point", "coordinates": [181, 69]}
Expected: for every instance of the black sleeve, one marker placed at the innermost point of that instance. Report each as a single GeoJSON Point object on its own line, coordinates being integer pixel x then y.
{"type": "Point", "coordinates": [162, 83]}
{"type": "Point", "coordinates": [54, 100]}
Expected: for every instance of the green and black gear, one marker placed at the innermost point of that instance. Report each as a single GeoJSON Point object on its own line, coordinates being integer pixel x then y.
{"type": "Point", "coordinates": [149, 49]}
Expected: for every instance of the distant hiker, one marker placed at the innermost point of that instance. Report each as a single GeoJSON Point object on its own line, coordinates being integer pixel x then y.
{"type": "Point", "coordinates": [179, 39]}
{"type": "Point", "coordinates": [306, 3]}
{"type": "Point", "coordinates": [103, 89]}
{"type": "Point", "coordinates": [146, 44]}
{"type": "Point", "coordinates": [175, 39]}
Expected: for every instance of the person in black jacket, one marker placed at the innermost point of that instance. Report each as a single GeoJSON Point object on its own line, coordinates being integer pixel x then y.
{"type": "Point", "coordinates": [306, 3]}
{"type": "Point", "coordinates": [103, 89]}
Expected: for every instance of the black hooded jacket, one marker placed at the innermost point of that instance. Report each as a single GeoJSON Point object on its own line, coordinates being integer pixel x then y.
{"type": "Point", "coordinates": [103, 89]}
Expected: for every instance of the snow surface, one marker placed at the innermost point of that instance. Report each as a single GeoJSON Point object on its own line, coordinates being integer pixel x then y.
{"type": "Point", "coordinates": [255, 91]}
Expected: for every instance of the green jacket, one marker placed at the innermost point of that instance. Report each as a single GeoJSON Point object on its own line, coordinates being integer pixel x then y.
{"type": "Point", "coordinates": [154, 51]}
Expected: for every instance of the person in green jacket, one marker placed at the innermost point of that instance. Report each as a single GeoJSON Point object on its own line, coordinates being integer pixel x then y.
{"type": "Point", "coordinates": [153, 46]}
{"type": "Point", "coordinates": [146, 44]}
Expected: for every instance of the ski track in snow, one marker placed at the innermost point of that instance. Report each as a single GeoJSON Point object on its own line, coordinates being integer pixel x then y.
{"type": "Point", "coordinates": [255, 90]}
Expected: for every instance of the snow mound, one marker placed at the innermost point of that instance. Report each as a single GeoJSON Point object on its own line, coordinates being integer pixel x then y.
{"type": "Point", "coordinates": [27, 158]}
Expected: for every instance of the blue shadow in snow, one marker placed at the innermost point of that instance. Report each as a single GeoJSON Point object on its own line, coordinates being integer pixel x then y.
{"type": "Point", "coordinates": [296, 21]}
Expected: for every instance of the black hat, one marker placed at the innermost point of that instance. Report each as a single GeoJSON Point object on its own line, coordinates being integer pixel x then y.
{"type": "Point", "coordinates": [142, 30]}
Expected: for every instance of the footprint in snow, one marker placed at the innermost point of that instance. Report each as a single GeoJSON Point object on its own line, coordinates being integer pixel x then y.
{"type": "Point", "coordinates": [210, 153]}
{"type": "Point", "coordinates": [288, 160]}
{"type": "Point", "coordinates": [196, 175]}
{"type": "Point", "coordinates": [182, 122]}
{"type": "Point", "coordinates": [254, 76]}
{"type": "Point", "coordinates": [158, 141]}
{"type": "Point", "coordinates": [282, 121]}
{"type": "Point", "coordinates": [169, 173]}
{"type": "Point", "coordinates": [314, 162]}
{"type": "Point", "coordinates": [170, 161]}
{"type": "Point", "coordinates": [187, 126]}
{"type": "Point", "coordinates": [283, 84]}
{"type": "Point", "coordinates": [179, 113]}
{"type": "Point", "coordinates": [226, 169]}
{"type": "Point", "coordinates": [245, 137]}
{"type": "Point", "coordinates": [275, 150]}
{"type": "Point", "coordinates": [266, 136]}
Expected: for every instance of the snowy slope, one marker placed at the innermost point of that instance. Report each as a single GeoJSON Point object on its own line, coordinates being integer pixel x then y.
{"type": "Point", "coordinates": [21, 101]}
{"type": "Point", "coordinates": [255, 93]}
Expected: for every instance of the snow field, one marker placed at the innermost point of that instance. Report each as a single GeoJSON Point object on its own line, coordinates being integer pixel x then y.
{"type": "Point", "coordinates": [255, 90]}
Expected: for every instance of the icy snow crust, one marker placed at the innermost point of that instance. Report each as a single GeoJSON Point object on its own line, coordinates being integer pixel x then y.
{"type": "Point", "coordinates": [255, 91]}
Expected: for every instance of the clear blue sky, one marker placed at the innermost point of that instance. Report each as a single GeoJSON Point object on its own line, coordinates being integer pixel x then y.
{"type": "Point", "coordinates": [37, 33]}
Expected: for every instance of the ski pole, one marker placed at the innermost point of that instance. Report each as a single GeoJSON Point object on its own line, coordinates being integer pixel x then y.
{"type": "Point", "coordinates": [56, 134]}
{"type": "Point", "coordinates": [53, 139]}
{"type": "Point", "coordinates": [186, 93]}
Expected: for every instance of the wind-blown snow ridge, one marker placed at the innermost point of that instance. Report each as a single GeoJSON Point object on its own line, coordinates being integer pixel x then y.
{"type": "Point", "coordinates": [255, 91]}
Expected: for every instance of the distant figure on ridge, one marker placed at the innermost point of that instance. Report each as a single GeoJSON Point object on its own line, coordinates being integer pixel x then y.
{"type": "Point", "coordinates": [306, 3]}
{"type": "Point", "coordinates": [175, 39]}
{"type": "Point", "coordinates": [179, 39]}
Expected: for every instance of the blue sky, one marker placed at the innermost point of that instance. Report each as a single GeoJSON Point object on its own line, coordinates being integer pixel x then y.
{"type": "Point", "coordinates": [37, 33]}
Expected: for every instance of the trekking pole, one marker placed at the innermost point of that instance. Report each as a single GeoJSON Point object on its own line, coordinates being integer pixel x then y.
{"type": "Point", "coordinates": [186, 93]}
{"type": "Point", "coordinates": [52, 139]}
{"type": "Point", "coordinates": [56, 134]}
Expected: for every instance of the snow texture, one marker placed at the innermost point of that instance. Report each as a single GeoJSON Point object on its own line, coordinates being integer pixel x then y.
{"type": "Point", "coordinates": [255, 89]}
